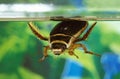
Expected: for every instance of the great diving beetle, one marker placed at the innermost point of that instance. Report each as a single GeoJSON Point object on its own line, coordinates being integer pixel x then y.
{"type": "Point", "coordinates": [65, 35]}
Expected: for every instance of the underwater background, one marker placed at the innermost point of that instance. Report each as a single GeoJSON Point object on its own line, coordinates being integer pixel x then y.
{"type": "Point", "coordinates": [20, 50]}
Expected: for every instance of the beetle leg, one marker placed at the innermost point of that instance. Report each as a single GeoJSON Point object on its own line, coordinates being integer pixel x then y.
{"type": "Point", "coordinates": [86, 51]}
{"type": "Point", "coordinates": [35, 30]}
{"type": "Point", "coordinates": [72, 53]}
{"type": "Point", "coordinates": [45, 53]}
{"type": "Point", "coordinates": [87, 33]}
{"type": "Point", "coordinates": [84, 48]}
{"type": "Point", "coordinates": [71, 49]}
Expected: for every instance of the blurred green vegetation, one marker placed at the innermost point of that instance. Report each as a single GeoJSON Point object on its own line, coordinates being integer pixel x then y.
{"type": "Point", "coordinates": [20, 52]}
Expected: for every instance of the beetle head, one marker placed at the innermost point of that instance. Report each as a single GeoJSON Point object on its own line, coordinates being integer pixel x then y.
{"type": "Point", "coordinates": [58, 48]}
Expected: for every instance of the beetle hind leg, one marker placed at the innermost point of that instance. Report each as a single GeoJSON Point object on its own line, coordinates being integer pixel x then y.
{"type": "Point", "coordinates": [87, 33]}
{"type": "Point", "coordinates": [35, 30]}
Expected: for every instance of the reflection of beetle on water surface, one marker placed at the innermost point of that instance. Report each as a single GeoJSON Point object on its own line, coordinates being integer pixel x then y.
{"type": "Point", "coordinates": [64, 36]}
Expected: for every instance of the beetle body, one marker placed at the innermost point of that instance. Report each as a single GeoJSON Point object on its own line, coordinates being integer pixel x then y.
{"type": "Point", "coordinates": [64, 36]}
